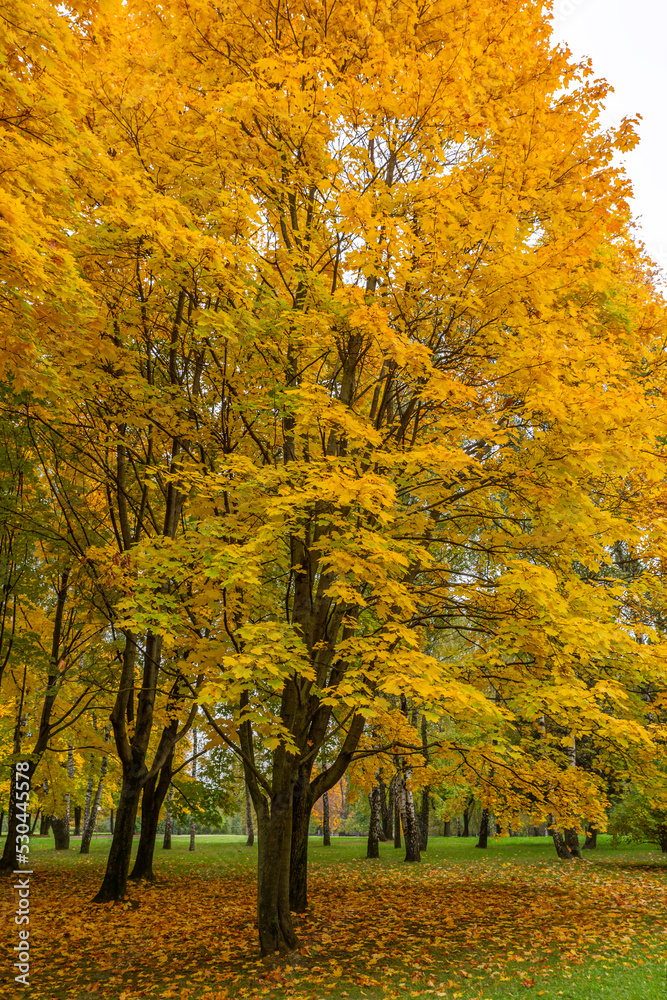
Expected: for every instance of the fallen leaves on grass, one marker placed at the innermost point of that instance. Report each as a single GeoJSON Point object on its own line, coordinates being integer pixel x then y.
{"type": "Point", "coordinates": [432, 930]}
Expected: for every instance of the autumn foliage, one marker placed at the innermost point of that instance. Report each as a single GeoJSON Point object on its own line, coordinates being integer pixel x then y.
{"type": "Point", "coordinates": [339, 377]}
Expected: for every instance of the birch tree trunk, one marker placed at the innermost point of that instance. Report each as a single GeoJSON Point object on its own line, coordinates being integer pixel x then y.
{"type": "Point", "coordinates": [375, 828]}
{"type": "Point", "coordinates": [168, 821]}
{"type": "Point", "coordinates": [89, 826]}
{"type": "Point", "coordinates": [248, 819]}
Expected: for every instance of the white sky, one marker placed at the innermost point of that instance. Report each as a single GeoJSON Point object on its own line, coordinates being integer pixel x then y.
{"type": "Point", "coordinates": [627, 39]}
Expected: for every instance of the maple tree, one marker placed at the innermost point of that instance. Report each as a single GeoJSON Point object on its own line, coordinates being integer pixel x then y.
{"type": "Point", "coordinates": [362, 386]}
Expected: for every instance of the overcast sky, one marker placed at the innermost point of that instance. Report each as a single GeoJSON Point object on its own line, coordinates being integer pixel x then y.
{"type": "Point", "coordinates": [627, 40]}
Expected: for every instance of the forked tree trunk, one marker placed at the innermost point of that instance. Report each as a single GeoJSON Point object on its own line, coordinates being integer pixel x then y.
{"type": "Point", "coordinates": [483, 840]}
{"type": "Point", "coordinates": [374, 829]}
{"type": "Point", "coordinates": [248, 819]}
{"type": "Point", "coordinates": [326, 821]}
{"type": "Point", "coordinates": [154, 795]}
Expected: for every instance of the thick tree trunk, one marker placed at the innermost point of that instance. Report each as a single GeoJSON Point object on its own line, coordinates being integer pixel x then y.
{"type": "Point", "coordinates": [560, 845]}
{"type": "Point", "coordinates": [483, 840]}
{"type": "Point", "coordinates": [114, 885]}
{"type": "Point", "coordinates": [374, 829]}
{"type": "Point", "coordinates": [248, 819]}
{"type": "Point", "coordinates": [154, 795]}
{"type": "Point", "coordinates": [326, 821]}
{"type": "Point", "coordinates": [77, 821]}
{"type": "Point", "coordinates": [168, 821]}
{"type": "Point", "coordinates": [591, 841]}
{"type": "Point", "coordinates": [302, 805]}
{"type": "Point", "coordinates": [274, 836]}
{"type": "Point", "coordinates": [572, 841]}
{"type": "Point", "coordinates": [447, 828]}
{"type": "Point", "coordinates": [89, 827]}
{"type": "Point", "coordinates": [60, 826]}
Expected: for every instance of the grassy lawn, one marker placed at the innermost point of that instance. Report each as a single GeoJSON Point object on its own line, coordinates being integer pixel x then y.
{"type": "Point", "coordinates": [509, 922]}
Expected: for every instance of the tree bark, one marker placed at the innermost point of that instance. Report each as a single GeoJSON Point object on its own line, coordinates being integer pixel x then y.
{"type": "Point", "coordinates": [44, 825]}
{"type": "Point", "coordinates": [591, 841]}
{"type": "Point", "coordinates": [248, 819]}
{"type": "Point", "coordinates": [426, 792]}
{"type": "Point", "coordinates": [111, 829]}
{"type": "Point", "coordinates": [194, 778]}
{"type": "Point", "coordinates": [447, 828]}
{"type": "Point", "coordinates": [572, 841]}
{"type": "Point", "coordinates": [60, 825]}
{"type": "Point", "coordinates": [388, 819]}
{"type": "Point", "coordinates": [374, 829]}
{"type": "Point", "coordinates": [397, 813]}
{"type": "Point", "coordinates": [168, 822]}
{"type": "Point", "coordinates": [89, 827]}
{"type": "Point", "coordinates": [2, 820]}
{"type": "Point", "coordinates": [274, 844]}
{"type": "Point", "coordinates": [114, 884]}
{"type": "Point", "coordinates": [77, 821]}
{"type": "Point", "coordinates": [408, 819]}
{"type": "Point", "coordinates": [483, 840]}
{"type": "Point", "coordinates": [154, 795]}
{"type": "Point", "coordinates": [466, 821]}
{"type": "Point", "coordinates": [326, 821]}
{"type": "Point", "coordinates": [662, 838]}
{"type": "Point", "coordinates": [89, 798]}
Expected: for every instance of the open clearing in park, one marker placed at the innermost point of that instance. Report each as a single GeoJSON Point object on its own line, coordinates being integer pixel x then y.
{"type": "Point", "coordinates": [509, 922]}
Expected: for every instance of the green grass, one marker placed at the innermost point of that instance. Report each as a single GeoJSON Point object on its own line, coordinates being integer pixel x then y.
{"type": "Point", "coordinates": [524, 923]}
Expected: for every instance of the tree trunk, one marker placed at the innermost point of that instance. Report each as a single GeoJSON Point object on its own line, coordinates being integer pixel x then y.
{"type": "Point", "coordinates": [154, 795]}
{"type": "Point", "coordinates": [77, 821]}
{"type": "Point", "coordinates": [44, 825]}
{"type": "Point", "coordinates": [374, 829]}
{"type": "Point", "coordinates": [424, 818]}
{"type": "Point", "coordinates": [466, 821]}
{"type": "Point", "coordinates": [326, 820]}
{"type": "Point", "coordinates": [89, 827]}
{"type": "Point", "coordinates": [168, 822]}
{"type": "Point", "coordinates": [111, 822]}
{"type": "Point", "coordinates": [60, 825]}
{"type": "Point", "coordinates": [572, 841]}
{"type": "Point", "coordinates": [248, 819]}
{"type": "Point", "coordinates": [662, 838]}
{"type": "Point", "coordinates": [397, 814]}
{"type": "Point", "coordinates": [484, 830]}
{"type": "Point", "coordinates": [388, 824]}
{"type": "Point", "coordinates": [274, 836]}
{"type": "Point", "coordinates": [447, 828]}
{"type": "Point", "coordinates": [384, 810]}
{"type": "Point", "coordinates": [194, 778]}
{"type": "Point", "coordinates": [34, 822]}
{"type": "Point", "coordinates": [89, 798]}
{"type": "Point", "coordinates": [302, 805]}
{"type": "Point", "coordinates": [425, 802]}
{"type": "Point", "coordinates": [591, 841]}
{"type": "Point", "coordinates": [114, 885]}
{"type": "Point", "coordinates": [409, 819]}
{"type": "Point", "coordinates": [2, 820]}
